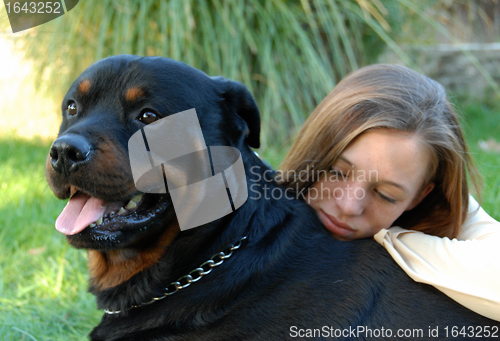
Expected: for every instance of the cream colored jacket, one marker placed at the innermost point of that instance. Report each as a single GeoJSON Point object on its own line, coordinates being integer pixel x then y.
{"type": "Point", "coordinates": [466, 268]}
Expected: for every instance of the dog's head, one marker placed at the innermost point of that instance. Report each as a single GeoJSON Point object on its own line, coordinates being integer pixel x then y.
{"type": "Point", "coordinates": [105, 106]}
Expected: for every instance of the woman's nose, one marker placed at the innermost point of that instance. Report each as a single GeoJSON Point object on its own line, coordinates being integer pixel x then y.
{"type": "Point", "coordinates": [353, 201]}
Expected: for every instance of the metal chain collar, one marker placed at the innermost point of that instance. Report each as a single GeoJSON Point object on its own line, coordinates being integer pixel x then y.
{"type": "Point", "coordinates": [193, 276]}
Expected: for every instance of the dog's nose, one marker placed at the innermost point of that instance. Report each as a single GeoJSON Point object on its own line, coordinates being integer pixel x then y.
{"type": "Point", "coordinates": [68, 152]}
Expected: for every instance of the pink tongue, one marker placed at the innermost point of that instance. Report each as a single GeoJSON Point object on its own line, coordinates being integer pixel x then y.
{"type": "Point", "coordinates": [81, 211]}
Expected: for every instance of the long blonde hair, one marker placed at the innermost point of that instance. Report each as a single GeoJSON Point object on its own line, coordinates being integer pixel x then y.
{"type": "Point", "coordinates": [391, 97]}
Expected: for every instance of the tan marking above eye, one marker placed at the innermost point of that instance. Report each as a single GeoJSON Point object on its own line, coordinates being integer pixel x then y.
{"type": "Point", "coordinates": [133, 93]}
{"type": "Point", "coordinates": [84, 87]}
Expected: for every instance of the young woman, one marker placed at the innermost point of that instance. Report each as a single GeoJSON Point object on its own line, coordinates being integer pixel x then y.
{"type": "Point", "coordinates": [386, 158]}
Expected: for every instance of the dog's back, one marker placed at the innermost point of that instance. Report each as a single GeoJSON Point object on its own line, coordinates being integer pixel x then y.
{"type": "Point", "coordinates": [292, 280]}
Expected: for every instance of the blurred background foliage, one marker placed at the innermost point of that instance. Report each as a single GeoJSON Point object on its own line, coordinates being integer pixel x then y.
{"type": "Point", "coordinates": [289, 53]}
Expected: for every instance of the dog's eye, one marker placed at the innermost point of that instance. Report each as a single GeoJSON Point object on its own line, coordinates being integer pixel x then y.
{"type": "Point", "coordinates": [72, 108]}
{"type": "Point", "coordinates": [148, 117]}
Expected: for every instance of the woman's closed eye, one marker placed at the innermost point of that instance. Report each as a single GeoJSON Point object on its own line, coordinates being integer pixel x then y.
{"type": "Point", "coordinates": [385, 197]}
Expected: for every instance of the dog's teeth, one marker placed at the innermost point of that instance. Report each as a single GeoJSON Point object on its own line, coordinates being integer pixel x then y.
{"type": "Point", "coordinates": [137, 198]}
{"type": "Point", "coordinates": [122, 210]}
{"type": "Point", "coordinates": [93, 225]}
{"type": "Point", "coordinates": [131, 204]}
{"type": "Point", "coordinates": [99, 221]}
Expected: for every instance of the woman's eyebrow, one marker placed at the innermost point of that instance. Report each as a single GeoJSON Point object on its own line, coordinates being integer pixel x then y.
{"type": "Point", "coordinates": [395, 184]}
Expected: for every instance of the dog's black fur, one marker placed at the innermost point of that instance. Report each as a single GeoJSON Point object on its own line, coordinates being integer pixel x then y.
{"type": "Point", "coordinates": [288, 276]}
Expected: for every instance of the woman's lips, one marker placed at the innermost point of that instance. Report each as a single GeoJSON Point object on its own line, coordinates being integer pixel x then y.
{"type": "Point", "coordinates": [339, 230]}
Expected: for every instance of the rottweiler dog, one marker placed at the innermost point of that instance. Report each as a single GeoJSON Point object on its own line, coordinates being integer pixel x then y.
{"type": "Point", "coordinates": [267, 271]}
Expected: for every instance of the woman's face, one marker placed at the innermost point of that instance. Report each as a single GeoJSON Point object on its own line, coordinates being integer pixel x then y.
{"type": "Point", "coordinates": [378, 176]}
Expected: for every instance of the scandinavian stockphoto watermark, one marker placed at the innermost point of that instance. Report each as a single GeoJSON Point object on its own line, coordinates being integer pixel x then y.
{"type": "Point", "coordinates": [204, 182]}
{"type": "Point", "coordinates": [24, 15]}
{"type": "Point", "coordinates": [331, 184]}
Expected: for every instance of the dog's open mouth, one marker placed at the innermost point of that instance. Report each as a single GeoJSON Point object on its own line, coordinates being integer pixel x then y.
{"type": "Point", "coordinates": [85, 211]}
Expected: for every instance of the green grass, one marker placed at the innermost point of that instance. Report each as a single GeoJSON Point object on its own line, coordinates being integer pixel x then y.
{"type": "Point", "coordinates": [43, 281]}
{"type": "Point", "coordinates": [482, 122]}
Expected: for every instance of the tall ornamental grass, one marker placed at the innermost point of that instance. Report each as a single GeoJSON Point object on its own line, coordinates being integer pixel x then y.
{"type": "Point", "coordinates": [290, 54]}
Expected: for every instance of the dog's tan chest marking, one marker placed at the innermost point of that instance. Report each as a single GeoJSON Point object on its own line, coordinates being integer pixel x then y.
{"type": "Point", "coordinates": [109, 269]}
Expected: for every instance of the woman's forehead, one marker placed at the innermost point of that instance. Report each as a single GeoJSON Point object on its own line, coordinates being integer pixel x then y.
{"type": "Point", "coordinates": [394, 156]}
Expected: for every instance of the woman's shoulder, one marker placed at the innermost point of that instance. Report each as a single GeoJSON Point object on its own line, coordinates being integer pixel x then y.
{"type": "Point", "coordinates": [478, 224]}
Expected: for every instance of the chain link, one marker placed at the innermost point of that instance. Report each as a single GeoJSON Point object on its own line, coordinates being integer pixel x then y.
{"type": "Point", "coordinates": [193, 276]}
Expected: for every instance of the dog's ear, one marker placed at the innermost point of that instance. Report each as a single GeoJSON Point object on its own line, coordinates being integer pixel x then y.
{"type": "Point", "coordinates": [237, 96]}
